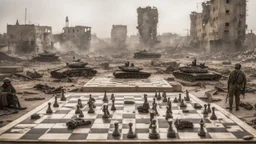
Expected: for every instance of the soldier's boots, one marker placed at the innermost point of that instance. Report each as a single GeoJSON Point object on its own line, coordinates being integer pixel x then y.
{"type": "Point", "coordinates": [237, 108]}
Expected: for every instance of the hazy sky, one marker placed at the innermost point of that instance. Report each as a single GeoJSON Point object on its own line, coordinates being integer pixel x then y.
{"type": "Point", "coordinates": [101, 14]}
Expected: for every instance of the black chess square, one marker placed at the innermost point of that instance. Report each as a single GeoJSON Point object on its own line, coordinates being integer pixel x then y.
{"type": "Point", "coordinates": [75, 136]}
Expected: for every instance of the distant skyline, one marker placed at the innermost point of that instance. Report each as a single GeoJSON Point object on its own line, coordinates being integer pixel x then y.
{"type": "Point", "coordinates": [102, 14]}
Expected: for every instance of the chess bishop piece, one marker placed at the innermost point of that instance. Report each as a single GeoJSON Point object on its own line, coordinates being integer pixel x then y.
{"type": "Point", "coordinates": [130, 133]}
{"type": "Point", "coordinates": [209, 108]}
{"type": "Point", "coordinates": [171, 133]}
{"type": "Point", "coordinates": [49, 110]}
{"type": "Point", "coordinates": [116, 132]}
{"type": "Point", "coordinates": [201, 131]}
{"type": "Point", "coordinates": [56, 102]}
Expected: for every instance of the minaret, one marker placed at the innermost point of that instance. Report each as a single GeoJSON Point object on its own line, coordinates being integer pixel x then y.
{"type": "Point", "coordinates": [67, 21]}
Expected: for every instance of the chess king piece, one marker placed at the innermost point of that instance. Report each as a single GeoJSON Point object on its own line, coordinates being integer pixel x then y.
{"type": "Point", "coordinates": [56, 102]}
{"type": "Point", "coordinates": [209, 108]}
{"type": "Point", "coordinates": [213, 116]}
{"type": "Point", "coordinates": [113, 107]}
{"type": "Point", "coordinates": [116, 132]}
{"type": "Point", "coordinates": [153, 134]}
{"type": "Point", "coordinates": [81, 114]}
{"type": "Point", "coordinates": [171, 133]}
{"type": "Point", "coordinates": [105, 98]}
{"type": "Point", "coordinates": [175, 100]}
{"type": "Point", "coordinates": [159, 96]}
{"type": "Point", "coordinates": [77, 110]}
{"type": "Point", "coordinates": [49, 110]}
{"type": "Point", "coordinates": [130, 133]}
{"type": "Point", "coordinates": [187, 98]}
{"type": "Point", "coordinates": [79, 103]}
{"type": "Point", "coordinates": [205, 112]}
{"type": "Point", "coordinates": [201, 131]}
{"type": "Point", "coordinates": [63, 98]}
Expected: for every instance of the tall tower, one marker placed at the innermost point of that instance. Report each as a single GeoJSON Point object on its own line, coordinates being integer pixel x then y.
{"type": "Point", "coordinates": [67, 21]}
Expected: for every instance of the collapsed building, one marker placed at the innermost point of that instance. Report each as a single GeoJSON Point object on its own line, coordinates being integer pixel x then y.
{"type": "Point", "coordinates": [147, 26]}
{"type": "Point", "coordinates": [3, 40]}
{"type": "Point", "coordinates": [220, 27]}
{"type": "Point", "coordinates": [29, 38]}
{"type": "Point", "coordinates": [119, 36]}
{"type": "Point", "coordinates": [77, 37]}
{"type": "Point", "coordinates": [250, 41]}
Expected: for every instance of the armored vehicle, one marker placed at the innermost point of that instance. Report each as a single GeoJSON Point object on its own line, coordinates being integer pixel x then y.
{"type": "Point", "coordinates": [130, 71]}
{"type": "Point", "coordinates": [196, 72]}
{"type": "Point", "coordinates": [146, 55]}
{"type": "Point", "coordinates": [46, 57]}
{"type": "Point", "coordinates": [74, 69]}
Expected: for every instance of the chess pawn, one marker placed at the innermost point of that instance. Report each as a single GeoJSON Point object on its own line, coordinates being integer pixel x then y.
{"type": "Point", "coordinates": [113, 108]}
{"type": "Point", "coordinates": [201, 131]}
{"type": "Point", "coordinates": [49, 110]}
{"type": "Point", "coordinates": [130, 133]}
{"type": "Point", "coordinates": [175, 100]}
{"type": "Point", "coordinates": [105, 98]}
{"type": "Point", "coordinates": [56, 102]}
{"type": "Point", "coordinates": [171, 133]}
{"type": "Point", "coordinates": [182, 104]}
{"type": "Point", "coordinates": [213, 116]}
{"type": "Point", "coordinates": [205, 112]}
{"type": "Point", "coordinates": [79, 103]}
{"type": "Point", "coordinates": [81, 114]}
{"type": "Point", "coordinates": [63, 98]}
{"type": "Point", "coordinates": [209, 108]}
{"type": "Point", "coordinates": [91, 110]}
{"type": "Point", "coordinates": [77, 110]}
{"type": "Point", "coordinates": [179, 98]}
{"type": "Point", "coordinates": [153, 134]}
{"type": "Point", "coordinates": [116, 132]}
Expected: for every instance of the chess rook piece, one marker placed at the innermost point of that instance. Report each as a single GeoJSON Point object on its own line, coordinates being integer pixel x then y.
{"type": "Point", "coordinates": [159, 96]}
{"type": "Point", "coordinates": [182, 104]}
{"type": "Point", "coordinates": [116, 132]}
{"type": "Point", "coordinates": [179, 98]}
{"type": "Point", "coordinates": [171, 133]}
{"type": "Point", "coordinates": [213, 116]}
{"type": "Point", "coordinates": [79, 103]}
{"type": "Point", "coordinates": [209, 108]}
{"type": "Point", "coordinates": [205, 112]}
{"type": "Point", "coordinates": [81, 114]}
{"type": "Point", "coordinates": [112, 97]}
{"type": "Point", "coordinates": [175, 100]}
{"type": "Point", "coordinates": [49, 110]}
{"type": "Point", "coordinates": [91, 110]}
{"type": "Point", "coordinates": [77, 109]}
{"type": "Point", "coordinates": [201, 131]}
{"type": "Point", "coordinates": [56, 102]}
{"type": "Point", "coordinates": [113, 108]}
{"type": "Point", "coordinates": [130, 133]}
{"type": "Point", "coordinates": [63, 98]}
{"type": "Point", "coordinates": [105, 98]}
{"type": "Point", "coordinates": [153, 134]}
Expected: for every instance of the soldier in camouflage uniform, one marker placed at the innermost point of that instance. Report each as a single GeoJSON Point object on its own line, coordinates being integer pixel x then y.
{"type": "Point", "coordinates": [236, 86]}
{"type": "Point", "coordinates": [8, 97]}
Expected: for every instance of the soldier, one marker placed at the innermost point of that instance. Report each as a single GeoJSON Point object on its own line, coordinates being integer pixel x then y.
{"type": "Point", "coordinates": [8, 96]}
{"type": "Point", "coordinates": [236, 86]}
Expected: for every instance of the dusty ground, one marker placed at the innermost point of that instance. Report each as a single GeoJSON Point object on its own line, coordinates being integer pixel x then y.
{"type": "Point", "coordinates": [23, 86]}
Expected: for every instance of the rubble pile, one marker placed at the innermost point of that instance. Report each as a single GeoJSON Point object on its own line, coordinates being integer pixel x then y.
{"type": "Point", "coordinates": [47, 89]}
{"type": "Point", "coordinates": [247, 56]}
{"type": "Point", "coordinates": [5, 57]}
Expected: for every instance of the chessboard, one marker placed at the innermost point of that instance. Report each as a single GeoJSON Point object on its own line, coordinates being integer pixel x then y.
{"type": "Point", "coordinates": [100, 84]}
{"type": "Point", "coordinates": [209, 124]}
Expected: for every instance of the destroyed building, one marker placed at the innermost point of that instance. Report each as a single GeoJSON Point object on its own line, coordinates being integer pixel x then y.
{"type": "Point", "coordinates": [119, 36]}
{"type": "Point", "coordinates": [250, 41]}
{"type": "Point", "coordinates": [77, 37]}
{"type": "Point", "coordinates": [28, 38]}
{"type": "Point", "coordinates": [221, 26]}
{"type": "Point", "coordinates": [147, 26]}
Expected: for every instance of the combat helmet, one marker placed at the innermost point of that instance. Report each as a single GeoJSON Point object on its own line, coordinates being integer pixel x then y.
{"type": "Point", "coordinates": [6, 80]}
{"type": "Point", "coordinates": [238, 66]}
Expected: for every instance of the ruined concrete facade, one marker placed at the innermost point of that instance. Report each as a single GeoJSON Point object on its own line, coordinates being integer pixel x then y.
{"type": "Point", "coordinates": [221, 26]}
{"type": "Point", "coordinates": [147, 25]}
{"type": "Point", "coordinates": [119, 36]}
{"type": "Point", "coordinates": [28, 38]}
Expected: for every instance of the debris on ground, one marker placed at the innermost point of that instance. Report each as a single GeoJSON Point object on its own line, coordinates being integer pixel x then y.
{"type": "Point", "coordinates": [34, 99]}
{"type": "Point", "coordinates": [105, 65]}
{"type": "Point", "coordinates": [34, 74]}
{"type": "Point", "coordinates": [8, 112]}
{"type": "Point", "coordinates": [47, 89]}
{"type": "Point", "coordinates": [246, 105]}
{"type": "Point", "coordinates": [66, 79]}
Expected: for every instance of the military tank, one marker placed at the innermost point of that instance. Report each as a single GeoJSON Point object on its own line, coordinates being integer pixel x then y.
{"type": "Point", "coordinates": [146, 55]}
{"type": "Point", "coordinates": [130, 71]}
{"type": "Point", "coordinates": [196, 72]}
{"type": "Point", "coordinates": [46, 57]}
{"type": "Point", "coordinates": [74, 69]}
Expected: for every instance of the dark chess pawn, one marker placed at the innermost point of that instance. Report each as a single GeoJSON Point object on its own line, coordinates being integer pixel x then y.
{"type": "Point", "coordinates": [146, 104]}
{"type": "Point", "coordinates": [213, 116]}
{"type": "Point", "coordinates": [155, 109]}
{"type": "Point", "coordinates": [79, 103]}
{"type": "Point", "coordinates": [105, 98]}
{"type": "Point", "coordinates": [179, 98]}
{"type": "Point", "coordinates": [164, 97]}
{"type": "Point", "coordinates": [168, 114]}
{"type": "Point", "coordinates": [91, 110]}
{"type": "Point", "coordinates": [187, 98]}
{"type": "Point", "coordinates": [63, 98]}
{"type": "Point", "coordinates": [116, 132]}
{"type": "Point", "coordinates": [112, 97]}
{"type": "Point", "coordinates": [77, 110]}
{"type": "Point", "coordinates": [105, 112]}
{"type": "Point", "coordinates": [153, 122]}
{"type": "Point", "coordinates": [156, 94]}
{"type": "Point", "coordinates": [159, 96]}
{"type": "Point", "coordinates": [182, 104]}
{"type": "Point", "coordinates": [153, 134]}
{"type": "Point", "coordinates": [81, 114]}
{"type": "Point", "coordinates": [113, 108]}
{"type": "Point", "coordinates": [209, 108]}
{"type": "Point", "coordinates": [201, 131]}
{"type": "Point", "coordinates": [175, 100]}
{"type": "Point", "coordinates": [130, 133]}
{"type": "Point", "coordinates": [205, 112]}
{"type": "Point", "coordinates": [56, 102]}
{"type": "Point", "coordinates": [171, 133]}
{"type": "Point", "coordinates": [49, 109]}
